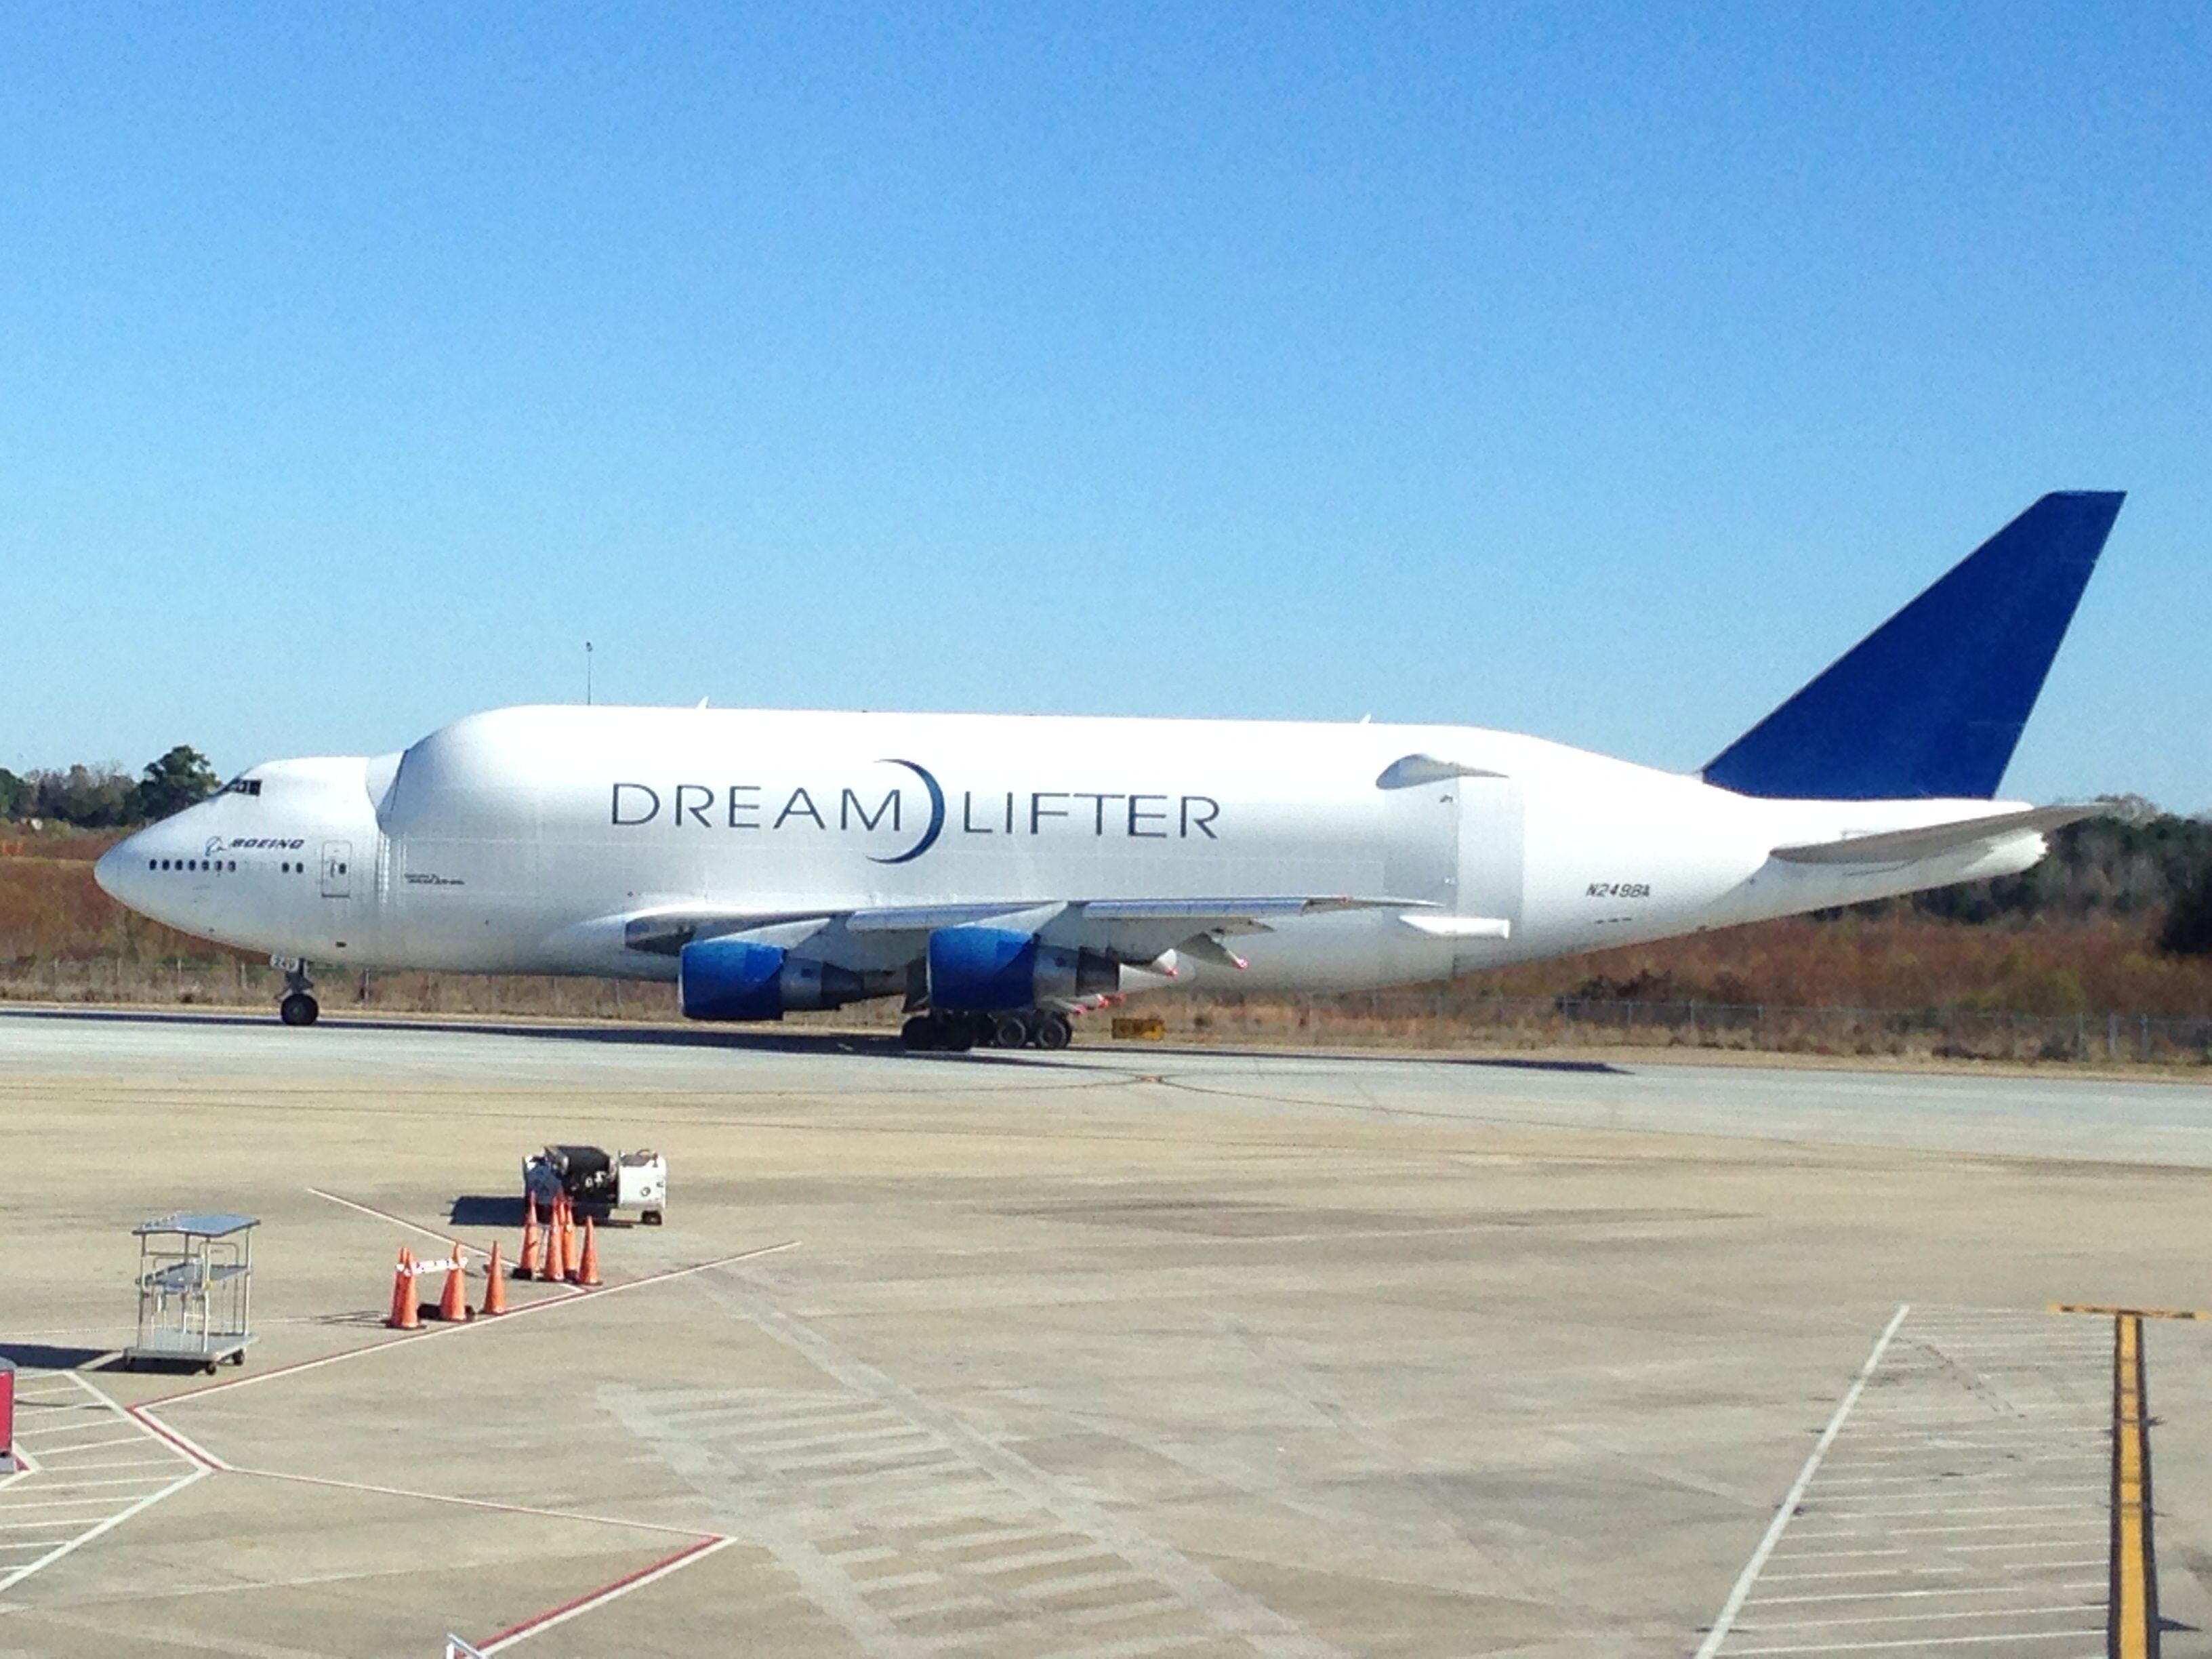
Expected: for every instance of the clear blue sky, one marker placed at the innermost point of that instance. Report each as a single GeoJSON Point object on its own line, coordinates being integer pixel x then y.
{"type": "Point", "coordinates": [1600, 370]}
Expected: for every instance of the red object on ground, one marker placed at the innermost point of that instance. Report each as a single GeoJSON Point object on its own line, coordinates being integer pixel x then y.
{"type": "Point", "coordinates": [588, 1272]}
{"type": "Point", "coordinates": [495, 1289]}
{"type": "Point", "coordinates": [405, 1316]}
{"type": "Point", "coordinates": [453, 1304]}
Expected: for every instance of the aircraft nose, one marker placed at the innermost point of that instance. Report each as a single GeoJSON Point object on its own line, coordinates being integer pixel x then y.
{"type": "Point", "coordinates": [120, 872]}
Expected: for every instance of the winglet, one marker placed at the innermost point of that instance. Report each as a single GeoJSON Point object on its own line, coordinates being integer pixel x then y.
{"type": "Point", "coordinates": [1933, 703]}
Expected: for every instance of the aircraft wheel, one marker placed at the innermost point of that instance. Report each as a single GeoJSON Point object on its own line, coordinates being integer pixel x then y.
{"type": "Point", "coordinates": [1009, 1031]}
{"type": "Point", "coordinates": [297, 1009]}
{"type": "Point", "coordinates": [1053, 1030]}
{"type": "Point", "coordinates": [919, 1034]}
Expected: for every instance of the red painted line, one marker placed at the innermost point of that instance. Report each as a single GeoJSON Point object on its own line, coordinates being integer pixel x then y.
{"type": "Point", "coordinates": [590, 1599]}
{"type": "Point", "coordinates": [154, 1425]}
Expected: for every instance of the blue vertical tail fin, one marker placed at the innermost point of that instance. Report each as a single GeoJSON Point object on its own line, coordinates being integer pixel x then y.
{"type": "Point", "coordinates": [1933, 702]}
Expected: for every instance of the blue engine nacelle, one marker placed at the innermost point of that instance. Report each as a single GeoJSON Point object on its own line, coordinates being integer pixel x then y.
{"type": "Point", "coordinates": [990, 971]}
{"type": "Point", "coordinates": [738, 979]}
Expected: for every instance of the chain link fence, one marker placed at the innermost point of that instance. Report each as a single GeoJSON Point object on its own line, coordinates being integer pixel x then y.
{"type": "Point", "coordinates": [1440, 1017]}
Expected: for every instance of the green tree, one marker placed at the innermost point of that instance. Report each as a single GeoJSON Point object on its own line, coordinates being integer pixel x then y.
{"type": "Point", "coordinates": [15, 794]}
{"type": "Point", "coordinates": [2188, 929]}
{"type": "Point", "coordinates": [89, 797]}
{"type": "Point", "coordinates": [177, 780]}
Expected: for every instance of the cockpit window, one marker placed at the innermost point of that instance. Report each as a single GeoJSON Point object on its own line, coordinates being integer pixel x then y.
{"type": "Point", "coordinates": [242, 787]}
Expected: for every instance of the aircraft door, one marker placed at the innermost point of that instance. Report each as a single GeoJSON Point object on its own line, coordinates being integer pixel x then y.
{"type": "Point", "coordinates": [1422, 837]}
{"type": "Point", "coordinates": [337, 869]}
{"type": "Point", "coordinates": [1490, 850]}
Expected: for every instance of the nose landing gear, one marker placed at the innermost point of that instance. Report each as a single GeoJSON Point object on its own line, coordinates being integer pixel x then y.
{"type": "Point", "coordinates": [299, 1006]}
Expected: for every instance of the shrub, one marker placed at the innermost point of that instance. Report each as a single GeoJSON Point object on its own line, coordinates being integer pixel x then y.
{"type": "Point", "coordinates": [2188, 929]}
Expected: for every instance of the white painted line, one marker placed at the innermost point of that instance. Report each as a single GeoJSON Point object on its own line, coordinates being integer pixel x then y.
{"type": "Point", "coordinates": [74, 1502]}
{"type": "Point", "coordinates": [1953, 1509]}
{"type": "Point", "coordinates": [1937, 1615]}
{"type": "Point", "coordinates": [2024, 1543]}
{"type": "Point", "coordinates": [1928, 1642]}
{"type": "Point", "coordinates": [1909, 1595]}
{"type": "Point", "coordinates": [379, 1215]}
{"type": "Point", "coordinates": [127, 1462]}
{"type": "Point", "coordinates": [8, 1581]}
{"type": "Point", "coordinates": [82, 1485]}
{"type": "Point", "coordinates": [1726, 1617]}
{"type": "Point", "coordinates": [1869, 1572]}
{"type": "Point", "coordinates": [90, 1445]}
{"type": "Point", "coordinates": [10, 1507]}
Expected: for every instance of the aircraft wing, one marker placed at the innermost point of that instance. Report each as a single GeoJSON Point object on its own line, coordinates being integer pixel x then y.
{"type": "Point", "coordinates": [1137, 930]}
{"type": "Point", "coordinates": [1904, 845]}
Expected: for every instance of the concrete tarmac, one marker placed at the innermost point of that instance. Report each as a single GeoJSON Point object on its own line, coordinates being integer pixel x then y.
{"type": "Point", "coordinates": [1105, 1353]}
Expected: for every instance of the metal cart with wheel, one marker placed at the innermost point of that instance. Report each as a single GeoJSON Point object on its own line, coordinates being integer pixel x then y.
{"type": "Point", "coordinates": [195, 1290]}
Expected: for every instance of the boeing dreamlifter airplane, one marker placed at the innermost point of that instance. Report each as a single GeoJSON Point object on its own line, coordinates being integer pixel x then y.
{"type": "Point", "coordinates": [999, 872]}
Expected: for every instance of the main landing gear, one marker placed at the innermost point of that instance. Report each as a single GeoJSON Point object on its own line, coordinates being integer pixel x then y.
{"type": "Point", "coordinates": [299, 1006]}
{"type": "Point", "coordinates": [956, 1033]}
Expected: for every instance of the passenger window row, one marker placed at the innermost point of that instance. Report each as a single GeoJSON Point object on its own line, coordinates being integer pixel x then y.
{"type": "Point", "coordinates": [218, 867]}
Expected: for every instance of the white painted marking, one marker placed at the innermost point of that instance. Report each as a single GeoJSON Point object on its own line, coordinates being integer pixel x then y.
{"type": "Point", "coordinates": [8, 1581]}
{"type": "Point", "coordinates": [1944, 1509]}
{"type": "Point", "coordinates": [1907, 1594]}
{"type": "Point", "coordinates": [1936, 1616]}
{"type": "Point", "coordinates": [89, 1445]}
{"type": "Point", "coordinates": [1726, 1617]}
{"type": "Point", "coordinates": [1930, 1641]}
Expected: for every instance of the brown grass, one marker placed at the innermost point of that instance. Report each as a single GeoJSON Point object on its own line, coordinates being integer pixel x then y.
{"type": "Point", "coordinates": [1896, 984]}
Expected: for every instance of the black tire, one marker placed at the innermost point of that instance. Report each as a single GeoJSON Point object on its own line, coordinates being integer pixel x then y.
{"type": "Point", "coordinates": [1010, 1031]}
{"type": "Point", "coordinates": [297, 1009]}
{"type": "Point", "coordinates": [1053, 1032]}
{"type": "Point", "coordinates": [956, 1033]}
{"type": "Point", "coordinates": [919, 1034]}
{"type": "Point", "coordinates": [650, 1218]}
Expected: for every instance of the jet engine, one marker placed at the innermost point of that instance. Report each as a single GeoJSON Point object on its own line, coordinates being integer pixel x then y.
{"type": "Point", "coordinates": [990, 971]}
{"type": "Point", "coordinates": [739, 979]}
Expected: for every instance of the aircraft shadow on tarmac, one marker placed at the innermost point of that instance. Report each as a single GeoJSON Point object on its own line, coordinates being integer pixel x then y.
{"type": "Point", "coordinates": [794, 1042]}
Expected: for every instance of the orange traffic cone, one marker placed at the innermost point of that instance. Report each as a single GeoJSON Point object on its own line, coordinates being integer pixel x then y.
{"type": "Point", "coordinates": [402, 1292]}
{"type": "Point", "coordinates": [571, 1256]}
{"type": "Point", "coordinates": [555, 1269]}
{"type": "Point", "coordinates": [531, 1242]}
{"type": "Point", "coordinates": [405, 1315]}
{"type": "Point", "coordinates": [495, 1289]}
{"type": "Point", "coordinates": [453, 1305]}
{"type": "Point", "coordinates": [587, 1272]}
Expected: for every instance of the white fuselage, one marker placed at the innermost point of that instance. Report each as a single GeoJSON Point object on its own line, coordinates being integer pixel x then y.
{"type": "Point", "coordinates": [534, 840]}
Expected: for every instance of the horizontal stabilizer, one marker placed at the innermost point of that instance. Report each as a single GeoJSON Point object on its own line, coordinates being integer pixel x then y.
{"type": "Point", "coordinates": [1904, 845]}
{"type": "Point", "coordinates": [1932, 703]}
